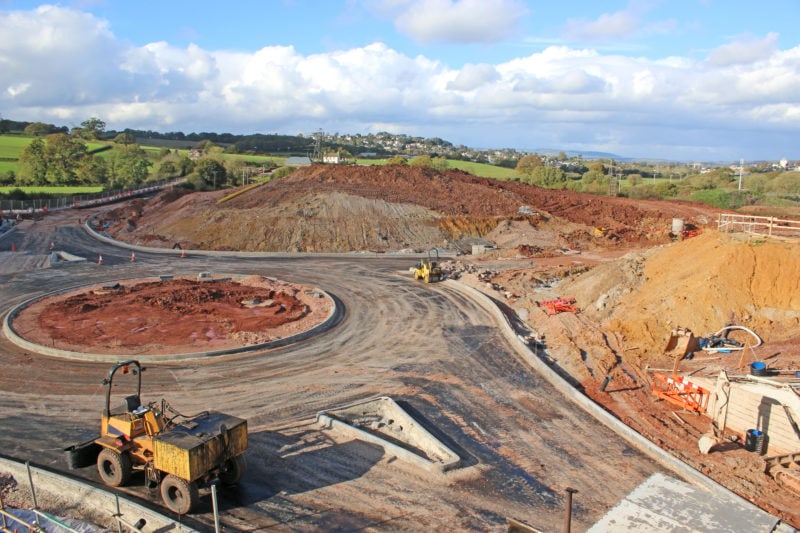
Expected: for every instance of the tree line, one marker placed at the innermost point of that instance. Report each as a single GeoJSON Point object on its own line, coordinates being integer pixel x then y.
{"type": "Point", "coordinates": [719, 186]}
{"type": "Point", "coordinates": [56, 157]}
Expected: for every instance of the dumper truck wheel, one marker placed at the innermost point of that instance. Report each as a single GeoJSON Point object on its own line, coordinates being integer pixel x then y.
{"type": "Point", "coordinates": [179, 495]}
{"type": "Point", "coordinates": [114, 467]}
{"type": "Point", "coordinates": [234, 470]}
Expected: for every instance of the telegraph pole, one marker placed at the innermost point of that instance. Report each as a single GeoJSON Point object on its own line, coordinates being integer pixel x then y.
{"type": "Point", "coordinates": [741, 166]}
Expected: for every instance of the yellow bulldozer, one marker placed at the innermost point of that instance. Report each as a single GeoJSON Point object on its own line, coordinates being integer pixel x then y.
{"type": "Point", "coordinates": [179, 452]}
{"type": "Point", "coordinates": [428, 269]}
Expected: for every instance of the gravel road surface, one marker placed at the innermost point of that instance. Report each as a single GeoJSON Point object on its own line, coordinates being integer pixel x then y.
{"type": "Point", "coordinates": [433, 350]}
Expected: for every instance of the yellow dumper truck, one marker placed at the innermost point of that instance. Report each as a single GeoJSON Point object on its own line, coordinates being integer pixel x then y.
{"type": "Point", "coordinates": [178, 452]}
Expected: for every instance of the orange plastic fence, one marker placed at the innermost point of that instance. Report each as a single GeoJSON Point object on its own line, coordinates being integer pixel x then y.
{"type": "Point", "coordinates": [559, 305]}
{"type": "Point", "coordinates": [681, 392]}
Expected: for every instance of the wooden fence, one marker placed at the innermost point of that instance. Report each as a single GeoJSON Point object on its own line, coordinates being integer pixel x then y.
{"type": "Point", "coordinates": [755, 225]}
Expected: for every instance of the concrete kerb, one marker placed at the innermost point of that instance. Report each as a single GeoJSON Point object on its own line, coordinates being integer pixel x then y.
{"type": "Point", "coordinates": [333, 318]}
{"type": "Point", "coordinates": [587, 404]}
{"type": "Point", "coordinates": [85, 498]}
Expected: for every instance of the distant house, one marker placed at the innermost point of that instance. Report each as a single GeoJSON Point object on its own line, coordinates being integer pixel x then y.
{"type": "Point", "coordinates": [298, 161]}
{"type": "Point", "coordinates": [332, 158]}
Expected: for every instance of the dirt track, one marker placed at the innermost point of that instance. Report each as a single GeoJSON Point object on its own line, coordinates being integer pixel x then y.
{"type": "Point", "coordinates": [426, 346]}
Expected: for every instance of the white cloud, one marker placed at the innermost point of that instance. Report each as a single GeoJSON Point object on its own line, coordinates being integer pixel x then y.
{"type": "Point", "coordinates": [59, 55]}
{"type": "Point", "coordinates": [746, 50]}
{"type": "Point", "coordinates": [560, 97]}
{"type": "Point", "coordinates": [471, 77]}
{"type": "Point", "coordinates": [454, 21]}
{"type": "Point", "coordinates": [607, 26]}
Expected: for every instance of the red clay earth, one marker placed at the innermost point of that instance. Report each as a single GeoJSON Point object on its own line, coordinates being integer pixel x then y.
{"type": "Point", "coordinates": [144, 317]}
{"type": "Point", "coordinates": [306, 205]}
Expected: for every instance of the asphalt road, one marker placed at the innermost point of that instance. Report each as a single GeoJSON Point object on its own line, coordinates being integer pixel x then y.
{"type": "Point", "coordinates": [433, 350]}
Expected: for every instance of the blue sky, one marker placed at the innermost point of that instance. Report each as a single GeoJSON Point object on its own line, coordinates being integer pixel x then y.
{"type": "Point", "coordinates": [704, 80]}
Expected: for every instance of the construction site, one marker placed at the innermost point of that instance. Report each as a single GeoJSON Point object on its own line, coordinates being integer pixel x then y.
{"type": "Point", "coordinates": [416, 349]}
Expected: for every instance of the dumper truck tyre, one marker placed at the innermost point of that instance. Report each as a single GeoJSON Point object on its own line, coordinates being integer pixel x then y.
{"type": "Point", "coordinates": [114, 468]}
{"type": "Point", "coordinates": [234, 470]}
{"type": "Point", "coordinates": [179, 495]}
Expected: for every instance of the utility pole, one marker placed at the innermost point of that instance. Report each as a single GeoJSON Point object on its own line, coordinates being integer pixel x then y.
{"type": "Point", "coordinates": [741, 167]}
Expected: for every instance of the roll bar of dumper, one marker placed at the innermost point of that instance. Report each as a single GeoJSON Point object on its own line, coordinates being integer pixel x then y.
{"type": "Point", "coordinates": [129, 400]}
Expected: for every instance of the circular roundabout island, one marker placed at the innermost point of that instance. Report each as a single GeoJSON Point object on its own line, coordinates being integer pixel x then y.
{"type": "Point", "coordinates": [169, 316]}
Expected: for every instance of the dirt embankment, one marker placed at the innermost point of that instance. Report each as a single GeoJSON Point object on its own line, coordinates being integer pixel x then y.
{"type": "Point", "coordinates": [336, 208]}
{"type": "Point", "coordinates": [631, 304]}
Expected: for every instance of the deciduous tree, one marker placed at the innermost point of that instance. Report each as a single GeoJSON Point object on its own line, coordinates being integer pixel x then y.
{"type": "Point", "coordinates": [211, 172]}
{"type": "Point", "coordinates": [125, 138]}
{"type": "Point", "coordinates": [527, 165]}
{"type": "Point", "coordinates": [94, 127]}
{"type": "Point", "coordinates": [32, 164]}
{"type": "Point", "coordinates": [37, 129]}
{"type": "Point", "coordinates": [549, 177]}
{"type": "Point", "coordinates": [63, 154]}
{"type": "Point", "coordinates": [129, 166]}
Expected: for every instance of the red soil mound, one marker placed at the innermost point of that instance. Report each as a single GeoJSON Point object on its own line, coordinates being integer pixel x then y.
{"type": "Point", "coordinates": [172, 316]}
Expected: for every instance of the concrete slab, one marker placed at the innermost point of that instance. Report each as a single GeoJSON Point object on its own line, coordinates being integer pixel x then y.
{"type": "Point", "coordinates": [663, 503]}
{"type": "Point", "coordinates": [383, 422]}
{"type": "Point", "coordinates": [59, 258]}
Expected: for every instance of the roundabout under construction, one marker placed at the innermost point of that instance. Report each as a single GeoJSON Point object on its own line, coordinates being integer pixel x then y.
{"type": "Point", "coordinates": [449, 356]}
{"type": "Point", "coordinates": [170, 317]}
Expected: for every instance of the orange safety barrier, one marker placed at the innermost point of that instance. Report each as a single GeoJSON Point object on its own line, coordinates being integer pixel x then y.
{"type": "Point", "coordinates": [683, 393]}
{"type": "Point", "coordinates": [559, 305]}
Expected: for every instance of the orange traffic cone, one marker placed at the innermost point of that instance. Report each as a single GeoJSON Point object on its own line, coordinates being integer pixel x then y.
{"type": "Point", "coordinates": [133, 257]}
{"type": "Point", "coordinates": [183, 251]}
{"type": "Point", "coordinates": [13, 247]}
{"type": "Point", "coordinates": [99, 259]}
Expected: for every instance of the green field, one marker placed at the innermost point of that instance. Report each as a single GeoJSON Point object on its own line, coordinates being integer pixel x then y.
{"type": "Point", "coordinates": [66, 191]}
{"type": "Point", "coordinates": [12, 145]}
{"type": "Point", "coordinates": [7, 166]}
{"type": "Point", "coordinates": [482, 170]}
{"type": "Point", "coordinates": [257, 159]}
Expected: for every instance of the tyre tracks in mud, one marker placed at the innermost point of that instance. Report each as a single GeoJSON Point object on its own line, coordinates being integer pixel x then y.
{"type": "Point", "coordinates": [436, 352]}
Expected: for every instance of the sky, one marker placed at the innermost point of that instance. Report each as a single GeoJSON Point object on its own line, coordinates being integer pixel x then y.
{"type": "Point", "coordinates": [690, 80]}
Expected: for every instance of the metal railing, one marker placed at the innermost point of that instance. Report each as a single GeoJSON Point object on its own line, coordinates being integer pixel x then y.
{"type": "Point", "coordinates": [34, 519]}
{"type": "Point", "coordinates": [43, 205]}
{"type": "Point", "coordinates": [11, 523]}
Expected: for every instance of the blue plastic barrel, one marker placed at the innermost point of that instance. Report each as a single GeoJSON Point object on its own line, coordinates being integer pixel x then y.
{"type": "Point", "coordinates": [758, 369]}
{"type": "Point", "coordinates": [754, 441]}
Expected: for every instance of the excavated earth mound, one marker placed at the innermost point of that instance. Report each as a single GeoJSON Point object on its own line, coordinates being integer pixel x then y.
{"type": "Point", "coordinates": [171, 316]}
{"type": "Point", "coordinates": [339, 208]}
{"type": "Point", "coordinates": [632, 284]}
{"type": "Point", "coordinates": [631, 304]}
